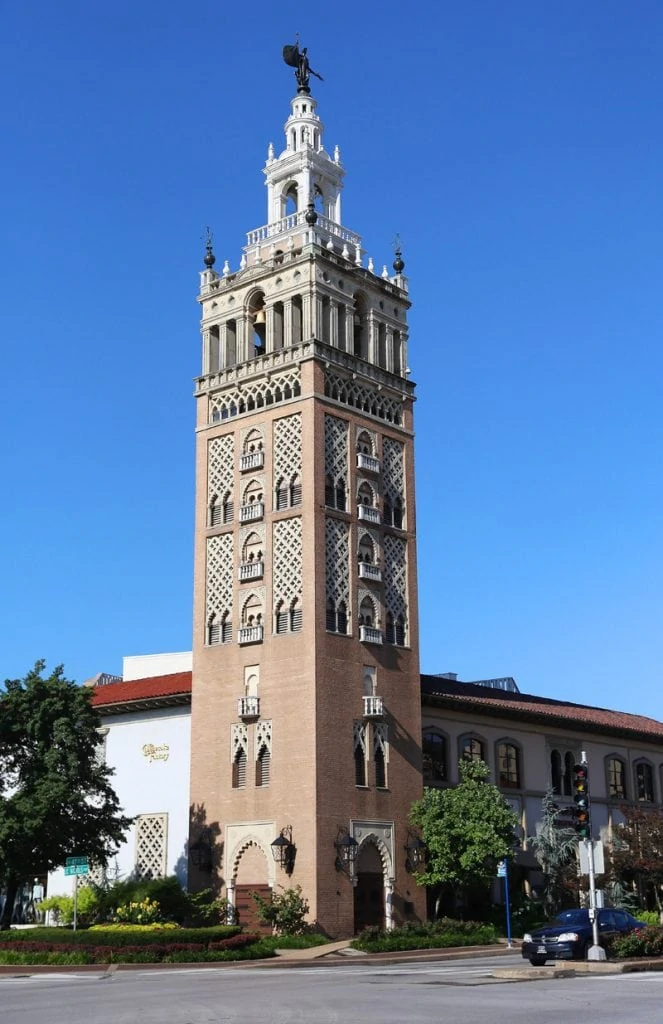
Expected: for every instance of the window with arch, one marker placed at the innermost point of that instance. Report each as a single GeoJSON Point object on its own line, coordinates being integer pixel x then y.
{"type": "Point", "coordinates": [360, 324]}
{"type": "Point", "coordinates": [616, 778]}
{"type": "Point", "coordinates": [471, 748]}
{"type": "Point", "coordinates": [219, 629]}
{"type": "Point", "coordinates": [434, 746]}
{"type": "Point", "coordinates": [365, 444]}
{"type": "Point", "coordinates": [253, 493]}
{"type": "Point", "coordinates": [367, 616]}
{"type": "Point", "coordinates": [336, 493]}
{"type": "Point", "coordinates": [336, 617]}
{"type": "Point", "coordinates": [561, 771]}
{"type": "Point", "coordinates": [644, 782]}
{"type": "Point", "coordinates": [567, 781]}
{"type": "Point", "coordinates": [288, 493]}
{"type": "Point", "coordinates": [288, 617]}
{"type": "Point", "coordinates": [253, 442]}
{"type": "Point", "coordinates": [221, 511]}
{"type": "Point", "coordinates": [291, 198]}
{"type": "Point", "coordinates": [366, 550]}
{"type": "Point", "coordinates": [366, 495]}
{"type": "Point", "coordinates": [556, 772]}
{"type": "Point", "coordinates": [359, 754]}
{"type": "Point", "coordinates": [394, 630]}
{"type": "Point", "coordinates": [508, 765]}
{"type": "Point", "coordinates": [252, 549]}
{"type": "Point", "coordinates": [263, 765]}
{"type": "Point", "coordinates": [239, 769]}
{"type": "Point", "coordinates": [252, 611]}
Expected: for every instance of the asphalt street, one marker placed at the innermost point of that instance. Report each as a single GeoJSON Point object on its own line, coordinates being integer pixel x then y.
{"type": "Point", "coordinates": [457, 992]}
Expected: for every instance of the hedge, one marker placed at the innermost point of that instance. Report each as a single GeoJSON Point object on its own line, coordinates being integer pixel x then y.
{"type": "Point", "coordinates": [642, 942]}
{"type": "Point", "coordinates": [443, 934]}
{"type": "Point", "coordinates": [232, 948]}
{"type": "Point", "coordinates": [130, 935]}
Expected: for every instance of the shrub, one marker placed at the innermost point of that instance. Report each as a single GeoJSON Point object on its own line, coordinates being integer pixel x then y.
{"type": "Point", "coordinates": [642, 942]}
{"type": "Point", "coordinates": [651, 917]}
{"type": "Point", "coordinates": [285, 911]}
{"type": "Point", "coordinates": [146, 911]}
{"type": "Point", "coordinates": [230, 948]}
{"type": "Point", "coordinates": [122, 936]}
{"type": "Point", "coordinates": [442, 934]}
{"type": "Point", "coordinates": [62, 907]}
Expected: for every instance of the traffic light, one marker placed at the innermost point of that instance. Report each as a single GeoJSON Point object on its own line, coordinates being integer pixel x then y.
{"type": "Point", "coordinates": [583, 825]}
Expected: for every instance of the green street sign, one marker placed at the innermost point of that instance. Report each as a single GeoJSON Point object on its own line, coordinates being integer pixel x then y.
{"type": "Point", "coordinates": [77, 869]}
{"type": "Point", "coordinates": [71, 861]}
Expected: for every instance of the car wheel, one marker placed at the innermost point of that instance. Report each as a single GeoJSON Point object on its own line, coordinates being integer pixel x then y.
{"type": "Point", "coordinates": [537, 961]}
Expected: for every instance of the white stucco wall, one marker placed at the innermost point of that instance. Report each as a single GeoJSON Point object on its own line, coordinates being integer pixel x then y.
{"type": "Point", "coordinates": [147, 784]}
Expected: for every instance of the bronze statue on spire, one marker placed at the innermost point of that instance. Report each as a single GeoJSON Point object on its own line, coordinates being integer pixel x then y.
{"type": "Point", "coordinates": [298, 59]}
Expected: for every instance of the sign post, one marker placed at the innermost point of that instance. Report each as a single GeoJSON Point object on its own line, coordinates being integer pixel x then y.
{"type": "Point", "coordinates": [503, 872]}
{"type": "Point", "coordinates": [76, 866]}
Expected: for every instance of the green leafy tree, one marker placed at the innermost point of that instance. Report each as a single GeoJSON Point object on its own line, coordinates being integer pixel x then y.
{"type": "Point", "coordinates": [637, 854]}
{"type": "Point", "coordinates": [554, 847]}
{"type": "Point", "coordinates": [467, 830]}
{"type": "Point", "coordinates": [56, 799]}
{"type": "Point", "coordinates": [286, 911]}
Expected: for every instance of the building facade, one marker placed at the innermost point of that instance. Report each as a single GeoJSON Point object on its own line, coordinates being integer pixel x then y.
{"type": "Point", "coordinates": [305, 695]}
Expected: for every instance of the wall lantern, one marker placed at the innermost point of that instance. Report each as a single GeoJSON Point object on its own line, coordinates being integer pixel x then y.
{"type": "Point", "coordinates": [347, 849]}
{"type": "Point", "coordinates": [201, 851]}
{"type": "Point", "coordinates": [415, 849]}
{"type": "Point", "coordinates": [283, 849]}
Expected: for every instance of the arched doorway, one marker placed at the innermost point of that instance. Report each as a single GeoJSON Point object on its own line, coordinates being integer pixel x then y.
{"type": "Point", "coordinates": [369, 890]}
{"type": "Point", "coordinates": [251, 876]}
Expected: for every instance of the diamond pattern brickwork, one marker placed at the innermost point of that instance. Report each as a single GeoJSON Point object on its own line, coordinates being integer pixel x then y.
{"type": "Point", "coordinates": [287, 448]}
{"type": "Point", "coordinates": [367, 400]}
{"type": "Point", "coordinates": [239, 739]}
{"type": "Point", "coordinates": [151, 846]}
{"type": "Point", "coordinates": [287, 561]}
{"type": "Point", "coordinates": [254, 394]}
{"type": "Point", "coordinates": [220, 466]}
{"type": "Point", "coordinates": [392, 470]}
{"type": "Point", "coordinates": [337, 550]}
{"type": "Point", "coordinates": [219, 597]}
{"type": "Point", "coordinates": [395, 575]}
{"type": "Point", "coordinates": [336, 448]}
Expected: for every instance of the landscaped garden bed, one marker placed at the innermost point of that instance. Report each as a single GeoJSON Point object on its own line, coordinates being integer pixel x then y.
{"type": "Point", "coordinates": [443, 934]}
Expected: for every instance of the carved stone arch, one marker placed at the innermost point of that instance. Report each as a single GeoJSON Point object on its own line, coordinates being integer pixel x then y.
{"type": "Point", "coordinates": [383, 852]}
{"type": "Point", "coordinates": [247, 841]}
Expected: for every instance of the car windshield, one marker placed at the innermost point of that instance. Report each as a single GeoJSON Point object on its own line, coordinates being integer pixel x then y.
{"type": "Point", "coordinates": [574, 917]}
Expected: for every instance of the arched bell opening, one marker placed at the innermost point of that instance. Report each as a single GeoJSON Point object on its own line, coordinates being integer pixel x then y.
{"type": "Point", "coordinates": [258, 324]}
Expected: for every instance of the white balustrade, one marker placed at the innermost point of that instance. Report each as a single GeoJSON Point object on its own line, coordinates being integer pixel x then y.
{"type": "Point", "coordinates": [249, 707]}
{"type": "Point", "coordinates": [251, 571]}
{"type": "Point", "coordinates": [250, 635]}
{"type": "Point", "coordinates": [368, 635]}
{"type": "Point", "coordinates": [370, 572]}
{"type": "Point", "coordinates": [373, 707]}
{"type": "Point", "coordinates": [368, 463]}
{"type": "Point", "coordinates": [369, 514]}
{"type": "Point", "coordinates": [249, 513]}
{"type": "Point", "coordinates": [253, 460]}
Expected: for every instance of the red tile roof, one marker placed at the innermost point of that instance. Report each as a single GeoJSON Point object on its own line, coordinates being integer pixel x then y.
{"type": "Point", "coordinates": [134, 690]}
{"type": "Point", "coordinates": [451, 693]}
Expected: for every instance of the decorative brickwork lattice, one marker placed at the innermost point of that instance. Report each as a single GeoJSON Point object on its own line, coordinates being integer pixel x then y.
{"type": "Point", "coordinates": [287, 449]}
{"type": "Point", "coordinates": [255, 394]}
{"type": "Point", "coordinates": [263, 736]}
{"type": "Point", "coordinates": [336, 448]}
{"type": "Point", "coordinates": [151, 846]}
{"type": "Point", "coordinates": [239, 740]}
{"type": "Point", "coordinates": [359, 736]}
{"type": "Point", "coordinates": [337, 550]}
{"type": "Point", "coordinates": [395, 576]}
{"type": "Point", "coordinates": [364, 398]}
{"type": "Point", "coordinates": [287, 561]}
{"type": "Point", "coordinates": [380, 739]}
{"type": "Point", "coordinates": [219, 576]}
{"type": "Point", "coordinates": [220, 466]}
{"type": "Point", "coordinates": [392, 470]}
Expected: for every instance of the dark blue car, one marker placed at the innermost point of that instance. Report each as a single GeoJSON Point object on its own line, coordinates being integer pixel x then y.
{"type": "Point", "coordinates": [569, 936]}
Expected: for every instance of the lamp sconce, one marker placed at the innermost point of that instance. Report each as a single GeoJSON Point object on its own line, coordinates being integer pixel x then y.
{"type": "Point", "coordinates": [284, 850]}
{"type": "Point", "coordinates": [415, 850]}
{"type": "Point", "coordinates": [347, 848]}
{"type": "Point", "coordinates": [201, 851]}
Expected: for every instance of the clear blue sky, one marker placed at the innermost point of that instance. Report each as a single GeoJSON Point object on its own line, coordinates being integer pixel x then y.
{"type": "Point", "coordinates": [517, 147]}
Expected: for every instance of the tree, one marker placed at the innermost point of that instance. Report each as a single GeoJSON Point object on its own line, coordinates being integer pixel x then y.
{"type": "Point", "coordinates": [554, 847]}
{"type": "Point", "coordinates": [637, 853]}
{"type": "Point", "coordinates": [56, 799]}
{"type": "Point", "coordinates": [467, 830]}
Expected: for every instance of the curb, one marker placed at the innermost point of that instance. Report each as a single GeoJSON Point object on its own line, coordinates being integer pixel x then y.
{"type": "Point", "coordinates": [577, 970]}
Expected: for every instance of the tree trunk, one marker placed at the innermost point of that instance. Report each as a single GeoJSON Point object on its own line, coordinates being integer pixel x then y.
{"type": "Point", "coordinates": [10, 898]}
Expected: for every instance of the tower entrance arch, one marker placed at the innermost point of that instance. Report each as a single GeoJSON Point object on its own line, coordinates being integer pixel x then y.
{"type": "Point", "coordinates": [369, 890]}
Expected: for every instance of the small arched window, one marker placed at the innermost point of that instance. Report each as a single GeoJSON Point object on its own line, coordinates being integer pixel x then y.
{"type": "Point", "coordinates": [556, 772]}
{"type": "Point", "coordinates": [263, 765]}
{"type": "Point", "coordinates": [434, 747]}
{"type": "Point", "coordinates": [644, 782]}
{"type": "Point", "coordinates": [239, 769]}
{"type": "Point", "coordinates": [616, 778]}
{"type": "Point", "coordinates": [472, 749]}
{"type": "Point", "coordinates": [366, 550]}
{"type": "Point", "coordinates": [508, 765]}
{"type": "Point", "coordinates": [567, 781]}
{"type": "Point", "coordinates": [366, 612]}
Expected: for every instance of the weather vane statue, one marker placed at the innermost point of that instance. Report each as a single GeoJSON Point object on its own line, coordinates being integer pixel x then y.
{"type": "Point", "coordinates": [298, 59]}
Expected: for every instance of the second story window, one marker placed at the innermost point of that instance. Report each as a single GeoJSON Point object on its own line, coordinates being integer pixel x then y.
{"type": "Point", "coordinates": [434, 746]}
{"type": "Point", "coordinates": [508, 765]}
{"type": "Point", "coordinates": [644, 782]}
{"type": "Point", "coordinates": [472, 749]}
{"type": "Point", "coordinates": [616, 778]}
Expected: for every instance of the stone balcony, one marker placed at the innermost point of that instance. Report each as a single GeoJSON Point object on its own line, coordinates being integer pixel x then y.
{"type": "Point", "coordinates": [249, 513]}
{"type": "Point", "coordinates": [368, 463]}
{"type": "Point", "coordinates": [369, 635]}
{"type": "Point", "coordinates": [373, 707]}
{"type": "Point", "coordinates": [251, 635]}
{"type": "Point", "coordinates": [249, 707]}
{"type": "Point", "coordinates": [370, 572]}
{"type": "Point", "coordinates": [369, 514]}
{"type": "Point", "coordinates": [251, 571]}
{"type": "Point", "coordinates": [253, 460]}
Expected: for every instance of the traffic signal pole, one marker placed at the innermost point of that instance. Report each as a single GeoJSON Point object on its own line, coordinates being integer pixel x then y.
{"type": "Point", "coordinates": [595, 951]}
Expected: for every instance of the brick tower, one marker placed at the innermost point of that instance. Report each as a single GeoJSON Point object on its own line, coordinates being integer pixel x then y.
{"type": "Point", "coordinates": [306, 719]}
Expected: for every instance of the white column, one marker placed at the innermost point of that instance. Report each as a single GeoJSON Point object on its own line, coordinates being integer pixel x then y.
{"type": "Point", "coordinates": [318, 327]}
{"type": "Point", "coordinates": [223, 346]}
{"type": "Point", "coordinates": [206, 352]}
{"type": "Point", "coordinates": [230, 896]}
{"type": "Point", "coordinates": [388, 904]}
{"type": "Point", "coordinates": [287, 323]}
{"type": "Point", "coordinates": [372, 338]}
{"type": "Point", "coordinates": [307, 317]}
{"type": "Point", "coordinates": [242, 341]}
{"type": "Point", "coordinates": [389, 346]}
{"type": "Point", "coordinates": [333, 323]}
{"type": "Point", "coordinates": [269, 329]}
{"type": "Point", "coordinates": [349, 329]}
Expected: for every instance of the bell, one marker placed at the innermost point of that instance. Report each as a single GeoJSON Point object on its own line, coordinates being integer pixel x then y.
{"type": "Point", "coordinates": [259, 317]}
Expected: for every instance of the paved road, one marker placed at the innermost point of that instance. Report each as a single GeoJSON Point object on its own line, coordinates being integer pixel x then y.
{"type": "Point", "coordinates": [458, 992]}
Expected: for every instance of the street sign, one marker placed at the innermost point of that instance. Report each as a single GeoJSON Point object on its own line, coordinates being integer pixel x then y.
{"type": "Point", "coordinates": [501, 869]}
{"type": "Point", "coordinates": [71, 861]}
{"type": "Point", "coordinates": [77, 869]}
{"type": "Point", "coordinates": [599, 860]}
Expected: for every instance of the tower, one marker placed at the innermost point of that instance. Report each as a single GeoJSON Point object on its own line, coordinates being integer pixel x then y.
{"type": "Point", "coordinates": [306, 717]}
